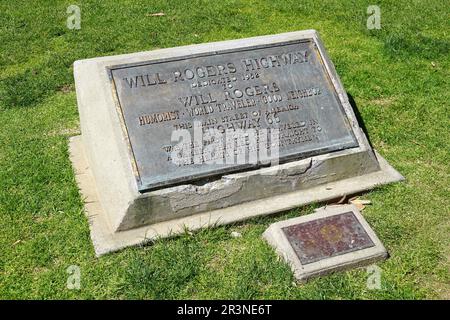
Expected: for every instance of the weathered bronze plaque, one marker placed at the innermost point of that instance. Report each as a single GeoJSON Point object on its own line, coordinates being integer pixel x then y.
{"type": "Point", "coordinates": [282, 86]}
{"type": "Point", "coordinates": [327, 237]}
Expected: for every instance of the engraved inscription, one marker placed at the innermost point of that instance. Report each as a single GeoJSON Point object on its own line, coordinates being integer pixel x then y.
{"type": "Point", "coordinates": [235, 98]}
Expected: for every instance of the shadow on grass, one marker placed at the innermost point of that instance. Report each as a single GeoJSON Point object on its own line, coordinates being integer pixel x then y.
{"type": "Point", "coordinates": [359, 118]}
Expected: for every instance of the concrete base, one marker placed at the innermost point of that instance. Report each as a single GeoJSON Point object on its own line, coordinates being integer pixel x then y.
{"type": "Point", "coordinates": [105, 240]}
{"type": "Point", "coordinates": [347, 236]}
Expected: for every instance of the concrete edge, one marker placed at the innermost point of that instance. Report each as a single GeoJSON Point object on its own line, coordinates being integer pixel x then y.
{"type": "Point", "coordinates": [105, 241]}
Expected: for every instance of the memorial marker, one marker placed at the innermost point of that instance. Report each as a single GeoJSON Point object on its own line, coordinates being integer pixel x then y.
{"type": "Point", "coordinates": [214, 133]}
{"type": "Point", "coordinates": [282, 85]}
{"type": "Point", "coordinates": [332, 238]}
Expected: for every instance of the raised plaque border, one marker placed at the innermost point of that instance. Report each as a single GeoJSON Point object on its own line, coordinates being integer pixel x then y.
{"type": "Point", "coordinates": [216, 173]}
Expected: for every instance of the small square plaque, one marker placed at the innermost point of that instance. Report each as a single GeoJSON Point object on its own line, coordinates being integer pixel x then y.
{"type": "Point", "coordinates": [327, 237]}
{"type": "Point", "coordinates": [332, 238]}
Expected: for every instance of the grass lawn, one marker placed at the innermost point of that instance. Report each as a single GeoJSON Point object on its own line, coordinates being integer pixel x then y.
{"type": "Point", "coordinates": [398, 77]}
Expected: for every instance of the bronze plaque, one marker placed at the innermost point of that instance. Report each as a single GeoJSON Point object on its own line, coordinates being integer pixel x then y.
{"type": "Point", "coordinates": [327, 237]}
{"type": "Point", "coordinates": [283, 86]}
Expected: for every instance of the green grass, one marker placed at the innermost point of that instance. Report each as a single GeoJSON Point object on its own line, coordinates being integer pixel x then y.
{"type": "Point", "coordinates": [398, 76]}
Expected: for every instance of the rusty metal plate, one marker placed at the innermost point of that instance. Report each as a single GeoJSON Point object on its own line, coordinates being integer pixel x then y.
{"type": "Point", "coordinates": [327, 237]}
{"type": "Point", "coordinates": [284, 86]}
